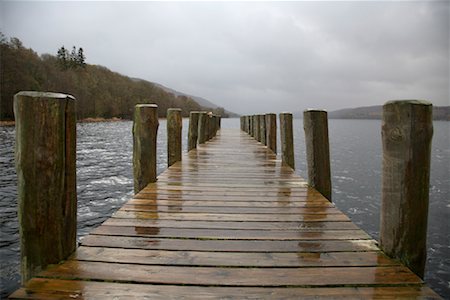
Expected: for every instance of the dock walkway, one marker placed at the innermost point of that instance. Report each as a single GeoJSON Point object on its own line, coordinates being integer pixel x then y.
{"type": "Point", "coordinates": [228, 221]}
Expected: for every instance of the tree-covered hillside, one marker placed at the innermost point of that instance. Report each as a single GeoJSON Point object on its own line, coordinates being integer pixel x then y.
{"type": "Point", "coordinates": [99, 91]}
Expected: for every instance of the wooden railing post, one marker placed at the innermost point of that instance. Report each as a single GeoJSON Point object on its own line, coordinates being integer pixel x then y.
{"type": "Point", "coordinates": [249, 125]}
{"type": "Point", "coordinates": [145, 132]}
{"type": "Point", "coordinates": [271, 132]}
{"type": "Point", "coordinates": [174, 128]}
{"type": "Point", "coordinates": [252, 125]}
{"type": "Point", "coordinates": [315, 124]}
{"type": "Point", "coordinates": [407, 131]}
{"type": "Point", "coordinates": [46, 175]}
{"type": "Point", "coordinates": [242, 122]}
{"type": "Point", "coordinates": [203, 116]}
{"type": "Point", "coordinates": [193, 130]}
{"type": "Point", "coordinates": [287, 140]}
{"type": "Point", "coordinates": [210, 127]}
{"type": "Point", "coordinates": [257, 129]}
{"type": "Point", "coordinates": [208, 120]}
{"type": "Point", "coordinates": [262, 129]}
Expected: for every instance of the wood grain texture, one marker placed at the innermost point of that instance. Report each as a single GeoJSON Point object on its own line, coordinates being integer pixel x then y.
{"type": "Point", "coordinates": [228, 221]}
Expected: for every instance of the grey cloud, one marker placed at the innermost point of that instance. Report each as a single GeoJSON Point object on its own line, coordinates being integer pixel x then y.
{"type": "Point", "coordinates": [256, 57]}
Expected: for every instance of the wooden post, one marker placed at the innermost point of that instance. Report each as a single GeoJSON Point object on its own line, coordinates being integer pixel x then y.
{"type": "Point", "coordinates": [245, 124]}
{"type": "Point", "coordinates": [193, 130]}
{"type": "Point", "coordinates": [242, 122]}
{"type": "Point", "coordinates": [287, 140]}
{"type": "Point", "coordinates": [249, 124]}
{"type": "Point", "coordinates": [145, 132]}
{"type": "Point", "coordinates": [315, 124]}
{"type": "Point", "coordinates": [262, 129]}
{"type": "Point", "coordinates": [174, 128]}
{"type": "Point", "coordinates": [46, 176]}
{"type": "Point", "coordinates": [210, 127]}
{"type": "Point", "coordinates": [252, 125]}
{"type": "Point", "coordinates": [407, 131]}
{"type": "Point", "coordinates": [202, 126]}
{"type": "Point", "coordinates": [213, 125]}
{"type": "Point", "coordinates": [208, 120]}
{"type": "Point", "coordinates": [257, 129]}
{"type": "Point", "coordinates": [271, 132]}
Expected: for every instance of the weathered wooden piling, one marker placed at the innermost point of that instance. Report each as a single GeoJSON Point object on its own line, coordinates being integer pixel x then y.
{"type": "Point", "coordinates": [193, 130]}
{"type": "Point", "coordinates": [271, 132]}
{"type": "Point", "coordinates": [315, 124]}
{"type": "Point", "coordinates": [212, 128]}
{"type": "Point", "coordinates": [46, 174]}
{"type": "Point", "coordinates": [202, 127]}
{"type": "Point", "coordinates": [174, 128]}
{"type": "Point", "coordinates": [287, 140]}
{"type": "Point", "coordinates": [257, 129]}
{"type": "Point", "coordinates": [145, 132]}
{"type": "Point", "coordinates": [262, 129]}
{"type": "Point", "coordinates": [252, 125]}
{"type": "Point", "coordinates": [407, 132]}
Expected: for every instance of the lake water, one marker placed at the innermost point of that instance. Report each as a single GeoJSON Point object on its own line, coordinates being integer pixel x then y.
{"type": "Point", "coordinates": [104, 178]}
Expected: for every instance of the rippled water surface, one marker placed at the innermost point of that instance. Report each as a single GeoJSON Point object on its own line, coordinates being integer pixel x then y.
{"type": "Point", "coordinates": [104, 179]}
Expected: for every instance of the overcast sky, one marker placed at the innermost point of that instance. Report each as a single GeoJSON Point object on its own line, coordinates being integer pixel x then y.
{"type": "Point", "coordinates": [256, 57]}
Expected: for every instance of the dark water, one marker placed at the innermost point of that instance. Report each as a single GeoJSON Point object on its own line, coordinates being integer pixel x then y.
{"type": "Point", "coordinates": [104, 175]}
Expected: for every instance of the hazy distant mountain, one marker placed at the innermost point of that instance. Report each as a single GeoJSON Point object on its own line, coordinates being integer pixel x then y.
{"type": "Point", "coordinates": [202, 101]}
{"type": "Point", "coordinates": [375, 112]}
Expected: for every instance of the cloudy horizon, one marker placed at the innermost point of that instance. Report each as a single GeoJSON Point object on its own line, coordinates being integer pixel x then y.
{"type": "Point", "coordinates": [256, 57]}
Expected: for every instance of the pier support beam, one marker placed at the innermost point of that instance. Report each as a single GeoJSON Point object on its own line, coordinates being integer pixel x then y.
{"type": "Point", "coordinates": [315, 124]}
{"type": "Point", "coordinates": [271, 132]}
{"type": "Point", "coordinates": [407, 131]}
{"type": "Point", "coordinates": [174, 128]}
{"type": "Point", "coordinates": [193, 130]}
{"type": "Point", "coordinates": [287, 140]}
{"type": "Point", "coordinates": [46, 174]}
{"type": "Point", "coordinates": [145, 132]}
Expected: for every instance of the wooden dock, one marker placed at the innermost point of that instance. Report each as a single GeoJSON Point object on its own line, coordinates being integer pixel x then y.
{"type": "Point", "coordinates": [228, 221]}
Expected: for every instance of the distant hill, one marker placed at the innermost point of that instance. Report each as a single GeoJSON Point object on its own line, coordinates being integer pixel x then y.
{"type": "Point", "coordinates": [100, 93]}
{"type": "Point", "coordinates": [202, 101]}
{"type": "Point", "coordinates": [375, 112]}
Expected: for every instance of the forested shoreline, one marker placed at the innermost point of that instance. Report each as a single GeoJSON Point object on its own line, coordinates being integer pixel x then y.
{"type": "Point", "coordinates": [100, 93]}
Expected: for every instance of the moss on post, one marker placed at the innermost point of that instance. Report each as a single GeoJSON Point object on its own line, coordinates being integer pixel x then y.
{"type": "Point", "coordinates": [46, 172]}
{"type": "Point", "coordinates": [174, 128]}
{"type": "Point", "coordinates": [145, 131]}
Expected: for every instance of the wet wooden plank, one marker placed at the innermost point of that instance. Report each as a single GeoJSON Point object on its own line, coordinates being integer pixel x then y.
{"type": "Point", "coordinates": [229, 210]}
{"type": "Point", "coordinates": [229, 217]}
{"type": "Point", "coordinates": [291, 226]}
{"type": "Point", "coordinates": [154, 274]}
{"type": "Point", "coordinates": [229, 245]}
{"type": "Point", "coordinates": [228, 234]}
{"type": "Point", "coordinates": [41, 288]}
{"type": "Point", "coordinates": [232, 259]}
{"type": "Point", "coordinates": [230, 204]}
{"type": "Point", "coordinates": [225, 198]}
